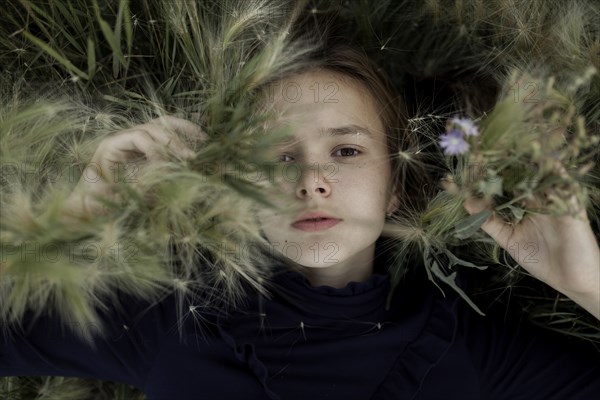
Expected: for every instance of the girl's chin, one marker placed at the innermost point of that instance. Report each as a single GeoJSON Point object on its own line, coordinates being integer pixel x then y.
{"type": "Point", "coordinates": [310, 263]}
{"type": "Point", "coordinates": [316, 266]}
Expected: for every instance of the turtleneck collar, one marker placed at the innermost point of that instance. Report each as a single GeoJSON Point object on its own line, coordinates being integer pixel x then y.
{"type": "Point", "coordinates": [355, 300]}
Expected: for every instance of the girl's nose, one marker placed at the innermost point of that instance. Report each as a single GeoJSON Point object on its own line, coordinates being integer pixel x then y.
{"type": "Point", "coordinates": [312, 183]}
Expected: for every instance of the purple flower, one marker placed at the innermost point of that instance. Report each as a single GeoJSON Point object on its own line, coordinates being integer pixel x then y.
{"type": "Point", "coordinates": [453, 143]}
{"type": "Point", "coordinates": [467, 126]}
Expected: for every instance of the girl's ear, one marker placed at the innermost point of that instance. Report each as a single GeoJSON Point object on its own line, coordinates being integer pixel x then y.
{"type": "Point", "coordinates": [394, 202]}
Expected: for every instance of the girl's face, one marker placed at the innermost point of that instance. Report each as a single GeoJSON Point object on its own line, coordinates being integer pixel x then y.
{"type": "Point", "coordinates": [336, 164]}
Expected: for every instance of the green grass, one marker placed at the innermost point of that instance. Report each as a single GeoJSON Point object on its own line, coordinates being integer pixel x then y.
{"type": "Point", "coordinates": [73, 73]}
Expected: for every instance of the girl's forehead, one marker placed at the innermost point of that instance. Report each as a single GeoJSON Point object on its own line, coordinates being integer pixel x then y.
{"type": "Point", "coordinates": [320, 90]}
{"type": "Point", "coordinates": [323, 101]}
{"type": "Point", "coordinates": [320, 86]}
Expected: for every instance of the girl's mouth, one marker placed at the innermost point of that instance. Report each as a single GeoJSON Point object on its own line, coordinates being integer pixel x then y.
{"type": "Point", "coordinates": [315, 224]}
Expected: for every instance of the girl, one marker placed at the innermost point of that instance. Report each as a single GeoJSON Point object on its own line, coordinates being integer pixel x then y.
{"type": "Point", "coordinates": [324, 331]}
{"type": "Point", "coordinates": [330, 326]}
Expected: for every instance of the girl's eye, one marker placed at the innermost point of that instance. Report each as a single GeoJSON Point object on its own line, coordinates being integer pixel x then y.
{"type": "Point", "coordinates": [347, 152]}
{"type": "Point", "coordinates": [285, 158]}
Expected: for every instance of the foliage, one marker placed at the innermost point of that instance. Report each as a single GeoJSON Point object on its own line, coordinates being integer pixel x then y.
{"type": "Point", "coordinates": [525, 71]}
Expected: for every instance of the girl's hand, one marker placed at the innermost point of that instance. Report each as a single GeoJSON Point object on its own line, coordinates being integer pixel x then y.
{"type": "Point", "coordinates": [560, 251]}
{"type": "Point", "coordinates": [128, 150]}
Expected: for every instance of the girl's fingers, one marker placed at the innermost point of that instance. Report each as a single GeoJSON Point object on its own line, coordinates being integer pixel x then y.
{"type": "Point", "coordinates": [148, 143]}
{"type": "Point", "coordinates": [498, 229]}
{"type": "Point", "coordinates": [163, 132]}
{"type": "Point", "coordinates": [123, 151]}
{"type": "Point", "coordinates": [166, 130]}
{"type": "Point", "coordinates": [126, 151]}
{"type": "Point", "coordinates": [190, 130]}
{"type": "Point", "coordinates": [119, 157]}
{"type": "Point", "coordinates": [495, 226]}
{"type": "Point", "coordinates": [147, 139]}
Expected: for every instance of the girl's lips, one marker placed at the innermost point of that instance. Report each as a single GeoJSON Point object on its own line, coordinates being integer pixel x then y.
{"type": "Point", "coordinates": [312, 225]}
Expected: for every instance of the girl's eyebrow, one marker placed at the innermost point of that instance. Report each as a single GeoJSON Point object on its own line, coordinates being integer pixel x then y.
{"type": "Point", "coordinates": [352, 129]}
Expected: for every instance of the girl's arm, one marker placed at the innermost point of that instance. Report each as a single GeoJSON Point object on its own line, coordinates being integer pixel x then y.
{"type": "Point", "coordinates": [517, 360]}
{"type": "Point", "coordinates": [44, 345]}
{"type": "Point", "coordinates": [133, 332]}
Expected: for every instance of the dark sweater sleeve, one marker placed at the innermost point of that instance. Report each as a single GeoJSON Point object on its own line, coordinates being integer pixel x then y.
{"type": "Point", "coordinates": [519, 361]}
{"type": "Point", "coordinates": [125, 353]}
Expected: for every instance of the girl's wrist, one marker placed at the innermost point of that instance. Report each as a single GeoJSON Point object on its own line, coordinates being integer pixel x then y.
{"type": "Point", "coordinates": [589, 300]}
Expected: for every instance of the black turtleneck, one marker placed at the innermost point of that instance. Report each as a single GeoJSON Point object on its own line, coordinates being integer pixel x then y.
{"type": "Point", "coordinates": [310, 343]}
